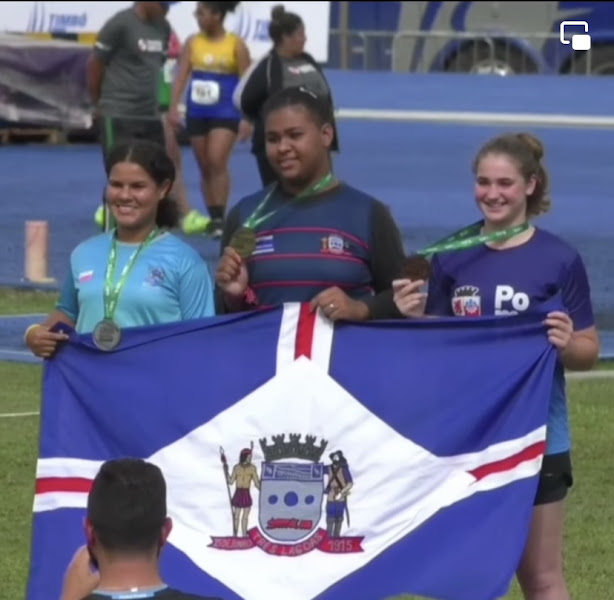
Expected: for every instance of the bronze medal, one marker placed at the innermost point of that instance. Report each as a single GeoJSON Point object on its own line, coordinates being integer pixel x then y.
{"type": "Point", "coordinates": [244, 242]}
{"type": "Point", "coordinates": [416, 267]}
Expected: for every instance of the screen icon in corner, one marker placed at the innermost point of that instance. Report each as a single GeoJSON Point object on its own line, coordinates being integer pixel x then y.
{"type": "Point", "coordinates": [579, 41]}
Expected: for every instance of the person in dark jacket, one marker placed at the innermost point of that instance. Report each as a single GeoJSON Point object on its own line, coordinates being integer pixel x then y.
{"type": "Point", "coordinates": [286, 65]}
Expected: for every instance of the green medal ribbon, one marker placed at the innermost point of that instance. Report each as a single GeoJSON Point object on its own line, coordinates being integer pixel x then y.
{"type": "Point", "coordinates": [111, 294]}
{"type": "Point", "coordinates": [418, 267]}
{"type": "Point", "coordinates": [470, 236]}
{"type": "Point", "coordinates": [244, 240]}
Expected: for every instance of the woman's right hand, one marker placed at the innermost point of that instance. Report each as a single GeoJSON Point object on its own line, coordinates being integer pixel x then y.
{"type": "Point", "coordinates": [42, 342]}
{"type": "Point", "coordinates": [231, 274]}
{"type": "Point", "coordinates": [407, 296]}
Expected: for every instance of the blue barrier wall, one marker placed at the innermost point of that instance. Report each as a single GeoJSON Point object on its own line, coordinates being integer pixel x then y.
{"type": "Point", "coordinates": [546, 94]}
{"type": "Point", "coordinates": [420, 169]}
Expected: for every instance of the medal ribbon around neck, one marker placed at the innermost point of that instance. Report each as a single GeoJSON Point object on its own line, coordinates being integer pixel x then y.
{"type": "Point", "coordinates": [417, 266]}
{"type": "Point", "coordinates": [470, 236]}
{"type": "Point", "coordinates": [111, 294]}
{"type": "Point", "coordinates": [244, 239]}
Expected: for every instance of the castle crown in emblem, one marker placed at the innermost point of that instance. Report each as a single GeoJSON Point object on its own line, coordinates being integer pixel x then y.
{"type": "Point", "coordinates": [293, 448]}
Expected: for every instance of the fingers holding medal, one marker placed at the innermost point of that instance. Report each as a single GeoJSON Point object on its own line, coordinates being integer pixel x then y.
{"type": "Point", "coordinates": [244, 242]}
{"type": "Point", "coordinates": [231, 274]}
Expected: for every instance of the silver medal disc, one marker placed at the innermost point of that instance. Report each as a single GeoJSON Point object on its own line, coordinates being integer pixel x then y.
{"type": "Point", "coordinates": [107, 335]}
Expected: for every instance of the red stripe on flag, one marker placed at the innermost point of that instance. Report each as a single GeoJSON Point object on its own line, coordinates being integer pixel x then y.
{"type": "Point", "coordinates": [507, 464]}
{"type": "Point", "coordinates": [47, 485]}
{"type": "Point", "coordinates": [304, 332]}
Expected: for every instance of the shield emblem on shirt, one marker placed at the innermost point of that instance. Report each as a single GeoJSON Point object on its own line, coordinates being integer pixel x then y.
{"type": "Point", "coordinates": [290, 499]}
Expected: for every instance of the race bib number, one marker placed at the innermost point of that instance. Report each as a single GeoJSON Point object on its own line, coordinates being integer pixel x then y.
{"type": "Point", "coordinates": [205, 92]}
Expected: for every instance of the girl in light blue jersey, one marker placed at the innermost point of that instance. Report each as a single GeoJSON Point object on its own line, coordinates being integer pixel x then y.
{"type": "Point", "coordinates": [138, 274]}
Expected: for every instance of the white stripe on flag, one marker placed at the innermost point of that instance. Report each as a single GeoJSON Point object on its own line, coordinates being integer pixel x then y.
{"type": "Point", "coordinates": [67, 467]}
{"type": "Point", "coordinates": [499, 451]}
{"type": "Point", "coordinates": [524, 470]}
{"type": "Point", "coordinates": [322, 346]}
{"type": "Point", "coordinates": [59, 500]}
{"type": "Point", "coordinates": [286, 343]}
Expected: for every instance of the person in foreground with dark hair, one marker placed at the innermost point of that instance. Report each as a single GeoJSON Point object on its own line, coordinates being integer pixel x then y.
{"type": "Point", "coordinates": [126, 528]}
{"type": "Point", "coordinates": [286, 65]}
{"type": "Point", "coordinates": [309, 238]}
{"type": "Point", "coordinates": [137, 274]}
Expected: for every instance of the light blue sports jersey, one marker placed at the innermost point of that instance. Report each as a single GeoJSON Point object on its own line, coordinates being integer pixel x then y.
{"type": "Point", "coordinates": [169, 282]}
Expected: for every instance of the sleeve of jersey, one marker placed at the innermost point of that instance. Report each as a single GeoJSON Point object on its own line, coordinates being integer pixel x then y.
{"type": "Point", "coordinates": [576, 295]}
{"type": "Point", "coordinates": [68, 302]}
{"type": "Point", "coordinates": [195, 289]}
{"type": "Point", "coordinates": [108, 39]}
{"type": "Point", "coordinates": [387, 255]}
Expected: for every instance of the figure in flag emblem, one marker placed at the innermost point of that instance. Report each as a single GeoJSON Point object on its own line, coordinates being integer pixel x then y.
{"type": "Point", "coordinates": [294, 486]}
{"type": "Point", "coordinates": [339, 485]}
{"type": "Point", "coordinates": [244, 473]}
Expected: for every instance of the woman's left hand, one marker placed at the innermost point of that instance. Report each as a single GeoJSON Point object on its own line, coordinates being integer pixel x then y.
{"type": "Point", "coordinates": [338, 306]}
{"type": "Point", "coordinates": [560, 329]}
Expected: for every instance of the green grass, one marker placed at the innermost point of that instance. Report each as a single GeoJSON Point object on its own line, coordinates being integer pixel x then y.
{"type": "Point", "coordinates": [590, 522]}
{"type": "Point", "coordinates": [14, 302]}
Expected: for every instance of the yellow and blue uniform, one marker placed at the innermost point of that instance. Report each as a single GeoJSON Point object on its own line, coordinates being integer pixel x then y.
{"type": "Point", "coordinates": [214, 77]}
{"type": "Point", "coordinates": [169, 282]}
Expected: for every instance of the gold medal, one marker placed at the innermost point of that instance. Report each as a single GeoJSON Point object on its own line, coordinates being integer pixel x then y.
{"type": "Point", "coordinates": [244, 242]}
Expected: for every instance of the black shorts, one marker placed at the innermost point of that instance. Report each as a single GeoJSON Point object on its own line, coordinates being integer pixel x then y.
{"type": "Point", "coordinates": [555, 478]}
{"type": "Point", "coordinates": [196, 126]}
{"type": "Point", "coordinates": [113, 131]}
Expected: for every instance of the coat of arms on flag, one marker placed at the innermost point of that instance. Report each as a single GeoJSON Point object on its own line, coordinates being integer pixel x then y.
{"type": "Point", "coordinates": [293, 486]}
{"type": "Point", "coordinates": [321, 462]}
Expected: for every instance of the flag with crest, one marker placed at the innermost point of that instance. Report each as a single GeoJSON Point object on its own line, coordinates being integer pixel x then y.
{"type": "Point", "coordinates": [306, 460]}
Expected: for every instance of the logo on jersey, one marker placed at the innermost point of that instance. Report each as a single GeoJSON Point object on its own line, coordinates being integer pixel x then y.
{"type": "Point", "coordinates": [85, 276]}
{"type": "Point", "coordinates": [510, 302]}
{"type": "Point", "coordinates": [150, 45]}
{"type": "Point", "coordinates": [466, 301]}
{"type": "Point", "coordinates": [334, 244]}
{"type": "Point", "coordinates": [296, 492]}
{"type": "Point", "coordinates": [155, 276]}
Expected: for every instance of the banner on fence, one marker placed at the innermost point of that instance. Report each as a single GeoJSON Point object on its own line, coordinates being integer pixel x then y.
{"type": "Point", "coordinates": [250, 20]}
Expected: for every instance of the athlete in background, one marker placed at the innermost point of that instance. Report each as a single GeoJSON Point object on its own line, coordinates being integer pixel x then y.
{"type": "Point", "coordinates": [286, 65]}
{"type": "Point", "coordinates": [123, 76]}
{"type": "Point", "coordinates": [192, 221]}
{"type": "Point", "coordinates": [210, 66]}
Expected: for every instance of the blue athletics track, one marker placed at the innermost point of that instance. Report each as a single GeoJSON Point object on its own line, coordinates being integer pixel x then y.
{"type": "Point", "coordinates": [407, 139]}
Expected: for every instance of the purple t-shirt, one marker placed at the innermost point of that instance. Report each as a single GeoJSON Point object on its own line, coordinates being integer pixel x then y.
{"type": "Point", "coordinates": [482, 281]}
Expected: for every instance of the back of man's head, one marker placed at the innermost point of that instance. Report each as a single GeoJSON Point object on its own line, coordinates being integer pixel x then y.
{"type": "Point", "coordinates": [126, 509]}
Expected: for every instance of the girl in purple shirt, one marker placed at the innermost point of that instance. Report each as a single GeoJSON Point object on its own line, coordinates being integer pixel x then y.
{"type": "Point", "coordinates": [512, 276]}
